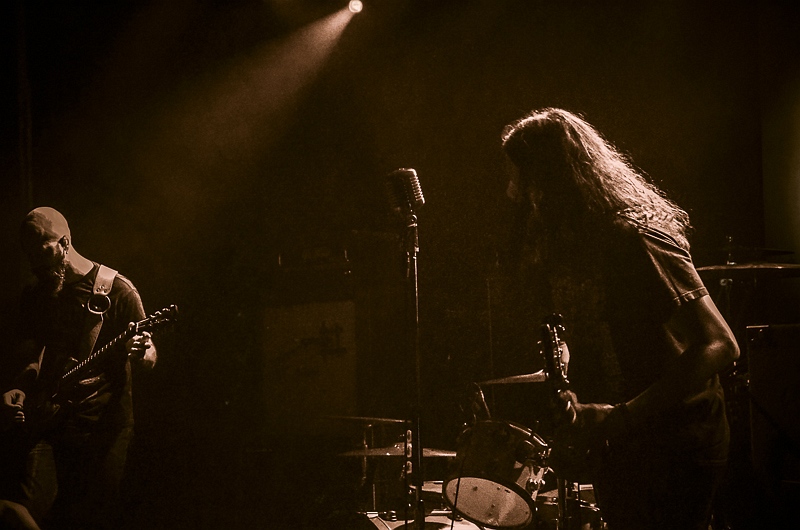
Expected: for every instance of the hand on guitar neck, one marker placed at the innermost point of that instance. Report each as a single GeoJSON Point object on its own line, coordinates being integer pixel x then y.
{"type": "Point", "coordinates": [583, 425]}
{"type": "Point", "coordinates": [592, 423]}
{"type": "Point", "coordinates": [140, 348]}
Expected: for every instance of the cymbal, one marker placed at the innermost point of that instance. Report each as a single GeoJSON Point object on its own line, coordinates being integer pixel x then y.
{"type": "Point", "coordinates": [366, 419]}
{"type": "Point", "coordinates": [398, 450]}
{"type": "Point", "coordinates": [750, 270]}
{"type": "Point", "coordinates": [536, 377]}
{"type": "Point", "coordinates": [744, 250]}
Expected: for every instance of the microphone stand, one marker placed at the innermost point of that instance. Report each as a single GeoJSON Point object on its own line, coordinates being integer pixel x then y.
{"type": "Point", "coordinates": [412, 249]}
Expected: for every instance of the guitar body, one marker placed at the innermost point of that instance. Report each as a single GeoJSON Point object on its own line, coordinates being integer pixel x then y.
{"type": "Point", "coordinates": [50, 406]}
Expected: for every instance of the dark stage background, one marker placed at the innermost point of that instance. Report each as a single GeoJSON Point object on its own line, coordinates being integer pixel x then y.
{"type": "Point", "coordinates": [229, 157]}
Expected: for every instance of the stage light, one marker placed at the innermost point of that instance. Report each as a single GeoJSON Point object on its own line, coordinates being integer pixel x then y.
{"type": "Point", "coordinates": [355, 6]}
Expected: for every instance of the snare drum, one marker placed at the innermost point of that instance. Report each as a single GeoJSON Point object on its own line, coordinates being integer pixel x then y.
{"type": "Point", "coordinates": [587, 516]}
{"type": "Point", "coordinates": [494, 475]}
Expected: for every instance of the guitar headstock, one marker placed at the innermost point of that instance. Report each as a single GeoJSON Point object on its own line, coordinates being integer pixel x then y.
{"type": "Point", "coordinates": [553, 351]}
{"type": "Point", "coordinates": [158, 319]}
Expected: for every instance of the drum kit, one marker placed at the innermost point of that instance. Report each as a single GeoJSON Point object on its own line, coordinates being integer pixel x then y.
{"type": "Point", "coordinates": [495, 479]}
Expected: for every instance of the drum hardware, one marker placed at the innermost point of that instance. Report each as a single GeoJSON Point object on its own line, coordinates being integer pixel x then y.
{"type": "Point", "coordinates": [581, 514]}
{"type": "Point", "coordinates": [436, 520]}
{"type": "Point", "coordinates": [497, 473]}
{"type": "Point", "coordinates": [489, 491]}
{"type": "Point", "coordinates": [498, 468]}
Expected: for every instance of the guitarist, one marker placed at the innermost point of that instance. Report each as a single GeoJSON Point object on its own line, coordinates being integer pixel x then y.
{"type": "Point", "coordinates": [75, 445]}
{"type": "Point", "coordinates": [606, 249]}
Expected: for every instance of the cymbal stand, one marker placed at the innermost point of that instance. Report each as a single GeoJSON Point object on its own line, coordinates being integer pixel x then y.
{"type": "Point", "coordinates": [367, 441]}
{"type": "Point", "coordinates": [568, 505]}
{"type": "Point", "coordinates": [725, 302]}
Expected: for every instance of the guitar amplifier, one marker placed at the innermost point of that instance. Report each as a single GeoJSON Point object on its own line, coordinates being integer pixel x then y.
{"type": "Point", "coordinates": [311, 364]}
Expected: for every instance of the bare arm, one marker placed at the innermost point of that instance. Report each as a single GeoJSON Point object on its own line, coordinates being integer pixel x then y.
{"type": "Point", "coordinates": [710, 348]}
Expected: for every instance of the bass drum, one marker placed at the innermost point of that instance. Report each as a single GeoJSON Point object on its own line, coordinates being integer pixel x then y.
{"type": "Point", "coordinates": [494, 475]}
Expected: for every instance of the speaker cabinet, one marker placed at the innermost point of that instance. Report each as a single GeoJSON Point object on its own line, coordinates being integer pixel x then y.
{"type": "Point", "coordinates": [311, 365]}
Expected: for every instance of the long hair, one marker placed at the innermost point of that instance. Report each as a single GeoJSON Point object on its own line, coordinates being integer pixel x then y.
{"type": "Point", "coordinates": [560, 154]}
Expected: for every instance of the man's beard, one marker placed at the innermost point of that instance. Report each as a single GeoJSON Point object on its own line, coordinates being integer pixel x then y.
{"type": "Point", "coordinates": [52, 279]}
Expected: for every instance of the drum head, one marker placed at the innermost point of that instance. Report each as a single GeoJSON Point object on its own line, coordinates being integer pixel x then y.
{"type": "Point", "coordinates": [489, 478]}
{"type": "Point", "coordinates": [489, 503]}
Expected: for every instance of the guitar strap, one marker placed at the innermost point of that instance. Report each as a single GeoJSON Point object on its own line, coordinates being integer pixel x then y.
{"type": "Point", "coordinates": [97, 305]}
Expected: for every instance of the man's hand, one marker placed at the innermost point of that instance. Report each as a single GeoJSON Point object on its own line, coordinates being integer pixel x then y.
{"type": "Point", "coordinates": [13, 401]}
{"type": "Point", "coordinates": [141, 349]}
{"type": "Point", "coordinates": [594, 423]}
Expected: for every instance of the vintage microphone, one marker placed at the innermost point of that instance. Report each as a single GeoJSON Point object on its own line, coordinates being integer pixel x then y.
{"type": "Point", "coordinates": [405, 197]}
{"type": "Point", "coordinates": [404, 191]}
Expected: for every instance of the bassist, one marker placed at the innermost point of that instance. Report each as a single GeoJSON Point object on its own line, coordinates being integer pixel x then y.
{"type": "Point", "coordinates": [76, 446]}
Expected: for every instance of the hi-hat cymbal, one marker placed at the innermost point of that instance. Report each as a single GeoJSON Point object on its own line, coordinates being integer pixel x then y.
{"type": "Point", "coordinates": [536, 377]}
{"type": "Point", "coordinates": [742, 271]}
{"type": "Point", "coordinates": [366, 419]}
{"type": "Point", "coordinates": [398, 450]}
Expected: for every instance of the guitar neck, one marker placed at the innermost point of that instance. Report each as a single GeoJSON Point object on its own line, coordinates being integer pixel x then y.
{"type": "Point", "coordinates": [122, 337]}
{"type": "Point", "coordinates": [159, 318]}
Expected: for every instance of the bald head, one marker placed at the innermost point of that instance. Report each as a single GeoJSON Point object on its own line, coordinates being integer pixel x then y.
{"type": "Point", "coordinates": [46, 242]}
{"type": "Point", "coordinates": [44, 224]}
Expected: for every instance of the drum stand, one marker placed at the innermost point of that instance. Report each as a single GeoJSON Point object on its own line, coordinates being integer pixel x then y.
{"type": "Point", "coordinates": [569, 516]}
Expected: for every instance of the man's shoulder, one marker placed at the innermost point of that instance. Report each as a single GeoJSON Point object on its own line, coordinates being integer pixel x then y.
{"type": "Point", "coordinates": [123, 282]}
{"type": "Point", "coordinates": [123, 286]}
{"type": "Point", "coordinates": [646, 233]}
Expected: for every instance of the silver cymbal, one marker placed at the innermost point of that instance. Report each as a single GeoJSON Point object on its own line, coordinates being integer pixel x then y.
{"type": "Point", "coordinates": [750, 270]}
{"type": "Point", "coordinates": [742, 251]}
{"type": "Point", "coordinates": [366, 419]}
{"type": "Point", "coordinates": [536, 377]}
{"type": "Point", "coordinates": [398, 450]}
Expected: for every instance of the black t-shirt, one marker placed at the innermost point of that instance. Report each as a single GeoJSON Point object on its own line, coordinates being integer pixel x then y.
{"type": "Point", "coordinates": [618, 298]}
{"type": "Point", "coordinates": [58, 323]}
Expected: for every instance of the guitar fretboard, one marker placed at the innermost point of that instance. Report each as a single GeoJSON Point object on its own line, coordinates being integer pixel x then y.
{"type": "Point", "coordinates": [98, 353]}
{"type": "Point", "coordinates": [159, 318]}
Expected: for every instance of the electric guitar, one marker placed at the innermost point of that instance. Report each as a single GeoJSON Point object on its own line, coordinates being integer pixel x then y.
{"type": "Point", "coordinates": [569, 461]}
{"type": "Point", "coordinates": [45, 408]}
{"type": "Point", "coordinates": [553, 349]}
{"type": "Point", "coordinates": [570, 457]}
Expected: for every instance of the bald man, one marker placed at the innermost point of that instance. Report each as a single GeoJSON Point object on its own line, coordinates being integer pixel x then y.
{"type": "Point", "coordinates": [75, 463]}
